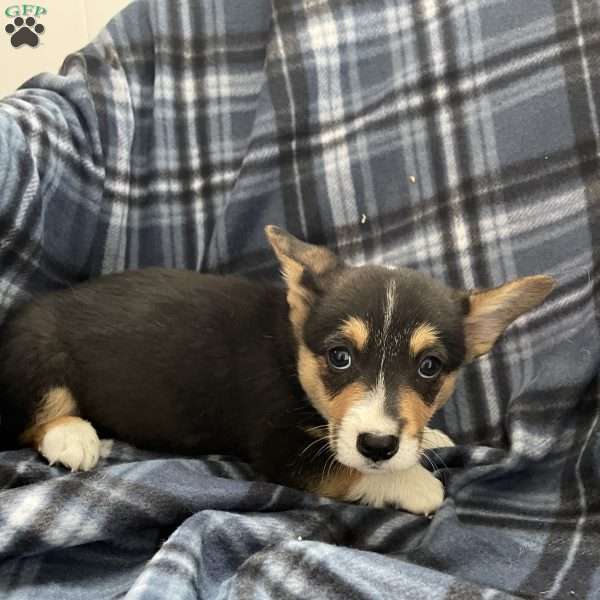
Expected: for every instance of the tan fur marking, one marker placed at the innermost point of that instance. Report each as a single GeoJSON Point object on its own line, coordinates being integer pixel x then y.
{"type": "Point", "coordinates": [357, 331]}
{"type": "Point", "coordinates": [424, 336]}
{"type": "Point", "coordinates": [337, 484]}
{"type": "Point", "coordinates": [288, 248]}
{"type": "Point", "coordinates": [309, 373]}
{"type": "Point", "coordinates": [446, 390]}
{"type": "Point", "coordinates": [414, 411]}
{"type": "Point", "coordinates": [333, 408]}
{"type": "Point", "coordinates": [298, 298]}
{"type": "Point", "coordinates": [492, 311]}
{"type": "Point", "coordinates": [55, 404]}
{"type": "Point", "coordinates": [34, 435]}
{"type": "Point", "coordinates": [294, 257]}
{"type": "Point", "coordinates": [341, 403]}
{"type": "Point", "coordinates": [58, 402]}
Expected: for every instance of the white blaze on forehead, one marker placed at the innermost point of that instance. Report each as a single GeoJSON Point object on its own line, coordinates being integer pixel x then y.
{"type": "Point", "coordinates": [388, 311]}
{"type": "Point", "coordinates": [388, 307]}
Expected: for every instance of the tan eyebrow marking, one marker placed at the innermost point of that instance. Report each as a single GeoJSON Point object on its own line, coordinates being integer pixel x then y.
{"type": "Point", "coordinates": [424, 336]}
{"type": "Point", "coordinates": [388, 307]}
{"type": "Point", "coordinates": [356, 330]}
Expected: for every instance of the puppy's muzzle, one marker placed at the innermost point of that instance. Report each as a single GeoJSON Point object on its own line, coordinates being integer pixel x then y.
{"type": "Point", "coordinates": [377, 447]}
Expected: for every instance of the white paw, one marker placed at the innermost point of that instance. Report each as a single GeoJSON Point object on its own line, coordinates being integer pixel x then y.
{"type": "Point", "coordinates": [425, 492]}
{"type": "Point", "coordinates": [434, 438]}
{"type": "Point", "coordinates": [415, 490]}
{"type": "Point", "coordinates": [73, 443]}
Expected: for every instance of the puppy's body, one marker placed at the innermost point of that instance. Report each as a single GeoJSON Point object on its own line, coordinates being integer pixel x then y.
{"type": "Point", "coordinates": [327, 384]}
{"type": "Point", "coordinates": [166, 360]}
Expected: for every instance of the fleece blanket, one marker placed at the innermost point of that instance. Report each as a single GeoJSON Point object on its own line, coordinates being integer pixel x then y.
{"type": "Point", "coordinates": [458, 137]}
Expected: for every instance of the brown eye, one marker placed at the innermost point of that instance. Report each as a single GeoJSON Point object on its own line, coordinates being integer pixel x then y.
{"type": "Point", "coordinates": [430, 367]}
{"type": "Point", "coordinates": [339, 358]}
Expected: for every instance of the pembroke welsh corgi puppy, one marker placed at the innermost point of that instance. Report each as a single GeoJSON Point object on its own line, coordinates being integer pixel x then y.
{"type": "Point", "coordinates": [326, 384]}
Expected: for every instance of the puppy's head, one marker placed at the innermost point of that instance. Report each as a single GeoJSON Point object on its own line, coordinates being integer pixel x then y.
{"type": "Point", "coordinates": [379, 349]}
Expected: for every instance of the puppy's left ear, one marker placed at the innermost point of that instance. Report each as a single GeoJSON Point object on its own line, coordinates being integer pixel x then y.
{"type": "Point", "coordinates": [305, 269]}
{"type": "Point", "coordinates": [492, 311]}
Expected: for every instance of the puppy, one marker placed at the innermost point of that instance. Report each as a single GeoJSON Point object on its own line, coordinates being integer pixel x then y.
{"type": "Point", "coordinates": [326, 384]}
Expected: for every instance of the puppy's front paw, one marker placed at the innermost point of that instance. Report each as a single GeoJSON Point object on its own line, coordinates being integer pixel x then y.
{"type": "Point", "coordinates": [415, 490]}
{"type": "Point", "coordinates": [71, 442]}
{"type": "Point", "coordinates": [423, 493]}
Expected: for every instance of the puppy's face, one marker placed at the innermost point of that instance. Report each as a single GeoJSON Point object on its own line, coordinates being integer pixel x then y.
{"type": "Point", "coordinates": [379, 354]}
{"type": "Point", "coordinates": [379, 349]}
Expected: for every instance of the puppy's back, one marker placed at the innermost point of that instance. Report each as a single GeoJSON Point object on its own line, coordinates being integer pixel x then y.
{"type": "Point", "coordinates": [142, 353]}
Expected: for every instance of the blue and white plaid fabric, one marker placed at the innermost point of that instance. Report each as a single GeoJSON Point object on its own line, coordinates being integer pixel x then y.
{"type": "Point", "coordinates": [458, 137]}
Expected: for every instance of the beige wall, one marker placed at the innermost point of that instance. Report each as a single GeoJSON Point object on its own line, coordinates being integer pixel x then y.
{"type": "Point", "coordinates": [69, 25]}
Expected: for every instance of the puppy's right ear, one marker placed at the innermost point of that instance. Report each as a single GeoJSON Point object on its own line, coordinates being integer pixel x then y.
{"type": "Point", "coordinates": [305, 268]}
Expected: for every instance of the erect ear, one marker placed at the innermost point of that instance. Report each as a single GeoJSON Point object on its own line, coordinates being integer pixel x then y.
{"type": "Point", "coordinates": [305, 268]}
{"type": "Point", "coordinates": [492, 311]}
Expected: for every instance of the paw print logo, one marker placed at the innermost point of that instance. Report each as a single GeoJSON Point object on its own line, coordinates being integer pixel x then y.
{"type": "Point", "coordinates": [24, 32]}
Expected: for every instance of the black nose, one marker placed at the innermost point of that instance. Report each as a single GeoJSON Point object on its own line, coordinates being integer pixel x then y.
{"type": "Point", "coordinates": [377, 447]}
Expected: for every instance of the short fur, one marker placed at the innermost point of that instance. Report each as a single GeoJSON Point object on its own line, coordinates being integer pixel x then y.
{"type": "Point", "coordinates": [178, 361]}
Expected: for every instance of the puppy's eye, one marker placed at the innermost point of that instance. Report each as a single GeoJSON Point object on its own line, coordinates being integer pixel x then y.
{"type": "Point", "coordinates": [339, 358]}
{"type": "Point", "coordinates": [430, 367]}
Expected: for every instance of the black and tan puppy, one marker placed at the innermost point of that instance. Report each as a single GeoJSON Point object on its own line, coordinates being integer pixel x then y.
{"type": "Point", "coordinates": [327, 384]}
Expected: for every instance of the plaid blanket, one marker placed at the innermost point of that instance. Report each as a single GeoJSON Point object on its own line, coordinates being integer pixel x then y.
{"type": "Point", "coordinates": [458, 137]}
